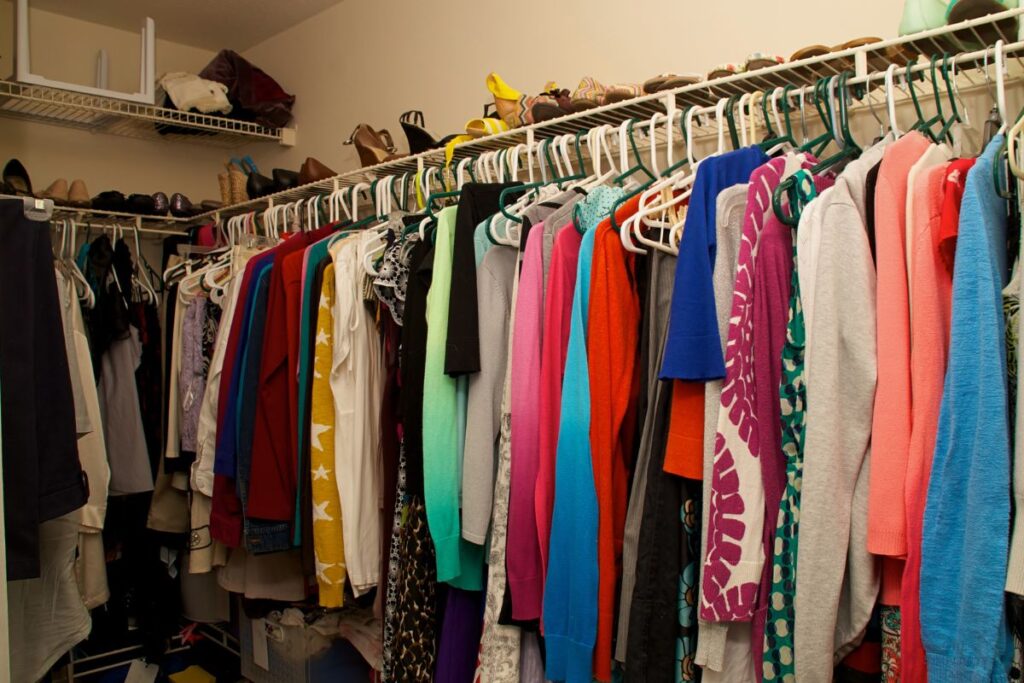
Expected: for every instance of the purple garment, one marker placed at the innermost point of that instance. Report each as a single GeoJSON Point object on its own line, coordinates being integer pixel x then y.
{"type": "Point", "coordinates": [772, 276]}
{"type": "Point", "coordinates": [192, 374]}
{"type": "Point", "coordinates": [461, 627]}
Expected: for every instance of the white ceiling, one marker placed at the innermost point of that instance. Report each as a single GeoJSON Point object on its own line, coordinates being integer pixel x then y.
{"type": "Point", "coordinates": [209, 24]}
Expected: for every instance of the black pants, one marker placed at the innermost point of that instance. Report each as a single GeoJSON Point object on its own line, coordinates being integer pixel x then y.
{"type": "Point", "coordinates": [42, 475]}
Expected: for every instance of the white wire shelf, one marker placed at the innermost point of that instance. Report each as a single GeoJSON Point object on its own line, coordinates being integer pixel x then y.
{"type": "Point", "coordinates": [129, 119]}
{"type": "Point", "coordinates": [873, 58]}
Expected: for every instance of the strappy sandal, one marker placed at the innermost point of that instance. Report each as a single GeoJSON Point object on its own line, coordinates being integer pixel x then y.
{"type": "Point", "coordinates": [420, 140]}
{"type": "Point", "coordinates": [374, 147]}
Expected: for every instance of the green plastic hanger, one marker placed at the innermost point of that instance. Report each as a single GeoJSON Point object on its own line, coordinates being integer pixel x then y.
{"type": "Point", "coordinates": [946, 124]}
{"type": "Point", "coordinates": [955, 117]}
{"type": "Point", "coordinates": [815, 146]}
{"type": "Point", "coordinates": [729, 118]}
{"type": "Point", "coordinates": [922, 125]}
{"type": "Point", "coordinates": [801, 190]}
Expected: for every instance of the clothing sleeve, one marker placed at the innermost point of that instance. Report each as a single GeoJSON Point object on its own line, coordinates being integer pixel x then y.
{"type": "Point", "coordinates": [484, 411]}
{"type": "Point", "coordinates": [694, 350]}
{"type": "Point", "coordinates": [841, 370]}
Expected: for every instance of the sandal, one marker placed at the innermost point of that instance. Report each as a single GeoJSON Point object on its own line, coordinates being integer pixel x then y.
{"type": "Point", "coordinates": [762, 60]}
{"type": "Point", "coordinates": [589, 94]}
{"type": "Point", "coordinates": [509, 102]}
{"type": "Point", "coordinates": [420, 140]}
{"type": "Point", "coordinates": [670, 82]}
{"type": "Point", "coordinates": [722, 71]}
{"type": "Point", "coordinates": [488, 124]}
{"type": "Point", "coordinates": [374, 147]}
{"type": "Point", "coordinates": [622, 92]}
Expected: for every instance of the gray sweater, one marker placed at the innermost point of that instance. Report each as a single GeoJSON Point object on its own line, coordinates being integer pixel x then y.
{"type": "Point", "coordinates": [837, 579]}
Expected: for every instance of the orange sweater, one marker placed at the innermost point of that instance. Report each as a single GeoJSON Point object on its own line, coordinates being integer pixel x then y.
{"type": "Point", "coordinates": [613, 336]}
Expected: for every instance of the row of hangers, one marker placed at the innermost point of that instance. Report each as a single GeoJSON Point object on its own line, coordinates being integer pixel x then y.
{"type": "Point", "coordinates": [145, 282]}
{"type": "Point", "coordinates": [628, 155]}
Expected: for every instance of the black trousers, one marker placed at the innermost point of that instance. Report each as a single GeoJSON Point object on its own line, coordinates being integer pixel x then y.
{"type": "Point", "coordinates": [42, 476]}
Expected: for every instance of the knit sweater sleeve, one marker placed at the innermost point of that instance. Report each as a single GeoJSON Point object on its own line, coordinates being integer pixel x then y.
{"type": "Point", "coordinates": [966, 524]}
{"type": "Point", "coordinates": [484, 404]}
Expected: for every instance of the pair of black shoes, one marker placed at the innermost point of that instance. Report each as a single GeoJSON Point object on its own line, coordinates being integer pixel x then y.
{"type": "Point", "coordinates": [156, 204]}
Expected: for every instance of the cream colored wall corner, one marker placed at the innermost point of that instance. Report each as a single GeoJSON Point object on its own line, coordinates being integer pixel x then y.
{"type": "Point", "coordinates": [370, 60]}
{"type": "Point", "coordinates": [65, 49]}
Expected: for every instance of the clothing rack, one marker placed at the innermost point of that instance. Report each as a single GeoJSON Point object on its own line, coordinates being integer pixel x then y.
{"type": "Point", "coordinates": [867, 63]}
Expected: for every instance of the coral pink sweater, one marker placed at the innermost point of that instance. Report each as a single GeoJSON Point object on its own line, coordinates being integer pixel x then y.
{"type": "Point", "coordinates": [937, 196]}
{"type": "Point", "coordinates": [890, 437]}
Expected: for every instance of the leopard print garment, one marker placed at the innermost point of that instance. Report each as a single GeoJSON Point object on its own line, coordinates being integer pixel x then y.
{"type": "Point", "coordinates": [416, 623]}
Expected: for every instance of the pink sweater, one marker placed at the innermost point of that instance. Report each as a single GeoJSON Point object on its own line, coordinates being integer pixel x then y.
{"type": "Point", "coordinates": [525, 576]}
{"type": "Point", "coordinates": [557, 309]}
{"type": "Point", "coordinates": [890, 437]}
{"type": "Point", "coordinates": [931, 285]}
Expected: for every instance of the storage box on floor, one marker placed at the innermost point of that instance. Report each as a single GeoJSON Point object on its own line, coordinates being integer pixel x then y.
{"type": "Point", "coordinates": [298, 653]}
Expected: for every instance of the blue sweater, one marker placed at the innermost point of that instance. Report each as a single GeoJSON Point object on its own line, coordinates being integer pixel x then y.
{"type": "Point", "coordinates": [693, 350]}
{"type": "Point", "coordinates": [967, 517]}
{"type": "Point", "coordinates": [570, 590]}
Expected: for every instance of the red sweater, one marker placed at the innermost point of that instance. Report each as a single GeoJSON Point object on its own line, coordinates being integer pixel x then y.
{"type": "Point", "coordinates": [613, 336]}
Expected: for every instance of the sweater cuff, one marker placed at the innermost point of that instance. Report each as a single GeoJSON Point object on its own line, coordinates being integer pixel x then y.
{"type": "Point", "coordinates": [951, 668]}
{"type": "Point", "coordinates": [887, 542]}
{"type": "Point", "coordinates": [1015, 566]}
{"type": "Point", "coordinates": [447, 553]}
{"type": "Point", "coordinates": [526, 597]}
{"type": "Point", "coordinates": [711, 637]}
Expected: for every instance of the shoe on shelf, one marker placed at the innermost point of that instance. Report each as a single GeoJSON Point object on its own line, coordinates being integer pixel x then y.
{"type": "Point", "coordinates": [57, 191]}
{"type": "Point", "coordinates": [210, 205]}
{"type": "Point", "coordinates": [374, 147]}
{"type": "Point", "coordinates": [285, 179]}
{"type": "Point", "coordinates": [312, 171]}
{"type": "Point", "coordinates": [181, 207]}
{"type": "Point", "coordinates": [761, 60]}
{"type": "Point", "coordinates": [670, 82]}
{"type": "Point", "coordinates": [78, 195]}
{"type": "Point", "coordinates": [589, 94]}
{"type": "Point", "coordinates": [1005, 29]}
{"type": "Point", "coordinates": [236, 182]}
{"type": "Point", "coordinates": [622, 92]}
{"type": "Point", "coordinates": [143, 204]}
{"type": "Point", "coordinates": [161, 204]}
{"type": "Point", "coordinates": [488, 124]}
{"type": "Point", "coordinates": [110, 200]}
{"type": "Point", "coordinates": [419, 138]}
{"type": "Point", "coordinates": [508, 102]}
{"type": "Point", "coordinates": [15, 179]}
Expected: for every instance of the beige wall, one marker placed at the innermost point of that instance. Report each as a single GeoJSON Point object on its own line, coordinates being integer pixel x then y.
{"type": "Point", "coordinates": [65, 49]}
{"type": "Point", "coordinates": [370, 60]}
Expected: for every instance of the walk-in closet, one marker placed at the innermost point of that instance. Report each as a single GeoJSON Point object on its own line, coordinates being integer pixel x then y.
{"type": "Point", "coordinates": [415, 342]}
